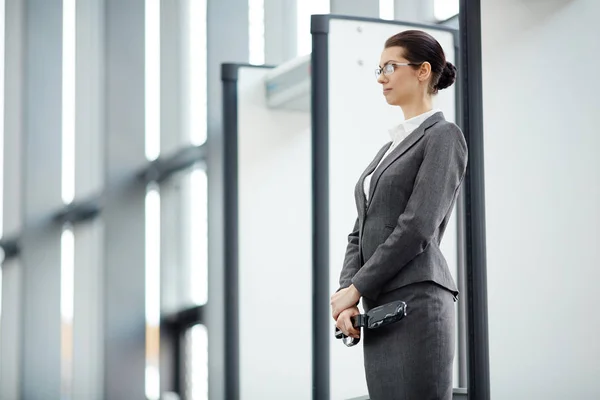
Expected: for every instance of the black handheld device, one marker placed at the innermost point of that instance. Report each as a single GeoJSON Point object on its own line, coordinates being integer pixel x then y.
{"type": "Point", "coordinates": [377, 317]}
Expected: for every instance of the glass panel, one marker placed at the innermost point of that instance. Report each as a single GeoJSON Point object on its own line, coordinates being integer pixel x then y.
{"type": "Point", "coordinates": [198, 239]}
{"type": "Point", "coordinates": [196, 67]}
{"type": "Point", "coordinates": [197, 363]}
{"type": "Point", "coordinates": [444, 9]}
{"type": "Point", "coordinates": [152, 289]}
{"type": "Point", "coordinates": [67, 275]}
{"type": "Point", "coordinates": [386, 9]}
{"type": "Point", "coordinates": [305, 9]}
{"type": "Point", "coordinates": [152, 78]}
{"type": "Point", "coordinates": [256, 13]}
{"type": "Point", "coordinates": [152, 255]}
{"type": "Point", "coordinates": [185, 240]}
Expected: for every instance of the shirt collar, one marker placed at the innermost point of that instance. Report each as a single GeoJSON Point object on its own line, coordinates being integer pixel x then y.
{"type": "Point", "coordinates": [406, 127]}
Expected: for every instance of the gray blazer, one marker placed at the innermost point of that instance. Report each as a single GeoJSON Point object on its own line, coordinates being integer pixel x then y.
{"type": "Point", "coordinates": [397, 234]}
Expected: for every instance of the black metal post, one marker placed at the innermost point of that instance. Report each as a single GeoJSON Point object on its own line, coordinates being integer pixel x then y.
{"type": "Point", "coordinates": [471, 76]}
{"type": "Point", "coordinates": [320, 213]}
{"type": "Point", "coordinates": [230, 167]}
{"type": "Point", "coordinates": [179, 366]}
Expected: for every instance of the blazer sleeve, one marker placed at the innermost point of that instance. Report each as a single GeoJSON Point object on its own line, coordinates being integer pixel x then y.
{"type": "Point", "coordinates": [351, 260]}
{"type": "Point", "coordinates": [438, 180]}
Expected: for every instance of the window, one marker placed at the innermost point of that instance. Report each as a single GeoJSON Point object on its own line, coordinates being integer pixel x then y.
{"type": "Point", "coordinates": [152, 79]}
{"type": "Point", "coordinates": [67, 252]}
{"type": "Point", "coordinates": [256, 25]}
{"type": "Point", "coordinates": [386, 9]}
{"type": "Point", "coordinates": [305, 9]}
{"type": "Point", "coordinates": [152, 289]}
{"type": "Point", "coordinates": [198, 237]}
{"type": "Point", "coordinates": [67, 275]}
{"type": "Point", "coordinates": [197, 72]}
{"type": "Point", "coordinates": [152, 211]}
{"type": "Point", "coordinates": [197, 363]}
{"type": "Point", "coordinates": [182, 280]}
{"type": "Point", "coordinates": [445, 9]}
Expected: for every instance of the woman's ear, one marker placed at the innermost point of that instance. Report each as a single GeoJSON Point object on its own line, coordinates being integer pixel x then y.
{"type": "Point", "coordinates": [424, 71]}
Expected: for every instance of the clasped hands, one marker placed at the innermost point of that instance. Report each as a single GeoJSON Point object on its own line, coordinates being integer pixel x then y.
{"type": "Point", "coordinates": [343, 308]}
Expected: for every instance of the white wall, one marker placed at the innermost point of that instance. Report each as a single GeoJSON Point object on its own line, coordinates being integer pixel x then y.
{"type": "Point", "coordinates": [274, 246]}
{"type": "Point", "coordinates": [540, 86]}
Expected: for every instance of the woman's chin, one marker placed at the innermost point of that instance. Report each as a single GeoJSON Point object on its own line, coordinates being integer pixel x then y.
{"type": "Point", "coordinates": [392, 98]}
{"type": "Point", "coordinates": [391, 101]}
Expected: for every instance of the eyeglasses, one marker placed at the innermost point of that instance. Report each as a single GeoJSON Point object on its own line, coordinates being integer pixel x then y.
{"type": "Point", "coordinates": [389, 68]}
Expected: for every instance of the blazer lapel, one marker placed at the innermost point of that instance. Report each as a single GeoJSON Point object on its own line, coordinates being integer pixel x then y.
{"type": "Point", "coordinates": [359, 192]}
{"type": "Point", "coordinates": [406, 144]}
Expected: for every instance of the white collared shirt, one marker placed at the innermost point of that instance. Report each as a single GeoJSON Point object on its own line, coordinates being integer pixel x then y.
{"type": "Point", "coordinates": [398, 134]}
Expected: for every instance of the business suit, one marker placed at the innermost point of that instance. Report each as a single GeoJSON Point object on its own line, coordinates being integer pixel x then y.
{"type": "Point", "coordinates": [393, 253]}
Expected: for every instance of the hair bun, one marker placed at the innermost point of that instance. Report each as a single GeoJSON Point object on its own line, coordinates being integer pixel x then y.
{"type": "Point", "coordinates": [447, 77]}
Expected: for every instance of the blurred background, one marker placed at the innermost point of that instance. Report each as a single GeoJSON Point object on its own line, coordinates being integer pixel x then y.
{"type": "Point", "coordinates": [113, 207]}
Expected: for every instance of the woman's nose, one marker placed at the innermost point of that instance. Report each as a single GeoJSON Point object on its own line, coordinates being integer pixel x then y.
{"type": "Point", "coordinates": [381, 79]}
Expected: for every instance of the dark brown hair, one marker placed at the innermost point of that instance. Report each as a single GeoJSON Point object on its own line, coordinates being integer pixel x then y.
{"type": "Point", "coordinates": [419, 47]}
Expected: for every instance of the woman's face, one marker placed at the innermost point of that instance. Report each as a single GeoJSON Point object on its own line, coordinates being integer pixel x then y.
{"type": "Point", "coordinates": [402, 84]}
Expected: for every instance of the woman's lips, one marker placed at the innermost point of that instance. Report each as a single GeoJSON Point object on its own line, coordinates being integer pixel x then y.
{"type": "Point", "coordinates": [386, 91]}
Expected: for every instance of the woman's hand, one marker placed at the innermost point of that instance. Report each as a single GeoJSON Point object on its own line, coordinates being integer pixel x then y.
{"type": "Point", "coordinates": [344, 299]}
{"type": "Point", "coordinates": [344, 322]}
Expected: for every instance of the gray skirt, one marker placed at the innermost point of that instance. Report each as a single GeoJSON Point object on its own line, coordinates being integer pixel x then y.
{"type": "Point", "coordinates": [413, 358]}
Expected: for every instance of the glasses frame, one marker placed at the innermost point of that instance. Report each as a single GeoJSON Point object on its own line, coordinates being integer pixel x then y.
{"type": "Point", "coordinates": [385, 70]}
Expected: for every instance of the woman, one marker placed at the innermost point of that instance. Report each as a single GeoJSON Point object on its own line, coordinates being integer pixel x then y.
{"type": "Point", "coordinates": [404, 200]}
